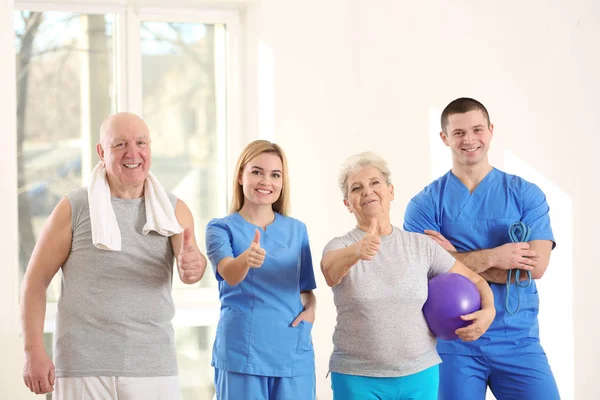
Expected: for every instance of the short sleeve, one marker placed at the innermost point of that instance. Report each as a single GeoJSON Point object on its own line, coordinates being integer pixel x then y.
{"type": "Point", "coordinates": [218, 244]}
{"type": "Point", "coordinates": [334, 244]}
{"type": "Point", "coordinates": [420, 215]}
{"type": "Point", "coordinates": [536, 215]}
{"type": "Point", "coordinates": [440, 261]}
{"type": "Point", "coordinates": [307, 273]}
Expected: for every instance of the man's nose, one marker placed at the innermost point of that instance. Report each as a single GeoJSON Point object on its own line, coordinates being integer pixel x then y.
{"type": "Point", "coordinates": [132, 150]}
{"type": "Point", "coordinates": [469, 137]}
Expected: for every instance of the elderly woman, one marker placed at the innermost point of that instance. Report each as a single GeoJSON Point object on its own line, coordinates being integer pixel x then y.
{"type": "Point", "coordinates": [379, 274]}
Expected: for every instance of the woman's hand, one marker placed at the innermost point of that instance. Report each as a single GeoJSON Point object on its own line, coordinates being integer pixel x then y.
{"type": "Point", "coordinates": [369, 244]}
{"type": "Point", "coordinates": [307, 315]}
{"type": "Point", "coordinates": [482, 320]}
{"type": "Point", "coordinates": [255, 255]}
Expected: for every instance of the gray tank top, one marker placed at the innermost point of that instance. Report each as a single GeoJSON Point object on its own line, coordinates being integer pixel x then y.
{"type": "Point", "coordinates": [115, 308]}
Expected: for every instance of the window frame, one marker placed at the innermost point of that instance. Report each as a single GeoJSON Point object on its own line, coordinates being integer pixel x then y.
{"type": "Point", "coordinates": [201, 309]}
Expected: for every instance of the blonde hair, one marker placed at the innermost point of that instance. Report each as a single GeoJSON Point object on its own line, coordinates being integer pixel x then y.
{"type": "Point", "coordinates": [251, 151]}
{"type": "Point", "coordinates": [359, 161]}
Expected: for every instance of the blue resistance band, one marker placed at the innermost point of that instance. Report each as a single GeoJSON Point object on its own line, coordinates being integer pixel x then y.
{"type": "Point", "coordinates": [518, 232]}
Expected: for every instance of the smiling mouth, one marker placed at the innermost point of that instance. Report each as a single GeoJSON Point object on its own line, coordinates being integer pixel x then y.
{"type": "Point", "coordinates": [368, 202]}
{"type": "Point", "coordinates": [132, 166]}
{"type": "Point", "coordinates": [264, 191]}
{"type": "Point", "coordinates": [471, 150]}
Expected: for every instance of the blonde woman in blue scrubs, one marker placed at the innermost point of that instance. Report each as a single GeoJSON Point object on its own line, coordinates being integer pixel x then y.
{"type": "Point", "coordinates": [261, 257]}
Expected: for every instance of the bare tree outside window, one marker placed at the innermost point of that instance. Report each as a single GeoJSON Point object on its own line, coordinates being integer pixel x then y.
{"type": "Point", "coordinates": [66, 87]}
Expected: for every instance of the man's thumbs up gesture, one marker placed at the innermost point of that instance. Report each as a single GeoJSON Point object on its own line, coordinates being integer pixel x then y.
{"type": "Point", "coordinates": [369, 244]}
{"type": "Point", "coordinates": [255, 255]}
{"type": "Point", "coordinates": [190, 263]}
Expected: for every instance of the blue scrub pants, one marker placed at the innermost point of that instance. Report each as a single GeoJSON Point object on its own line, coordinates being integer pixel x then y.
{"type": "Point", "coordinates": [235, 386]}
{"type": "Point", "coordinates": [510, 377]}
{"type": "Point", "coordinates": [420, 386]}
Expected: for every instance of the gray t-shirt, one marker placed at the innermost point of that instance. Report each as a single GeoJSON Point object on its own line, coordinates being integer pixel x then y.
{"type": "Point", "coordinates": [380, 329]}
{"type": "Point", "coordinates": [115, 308]}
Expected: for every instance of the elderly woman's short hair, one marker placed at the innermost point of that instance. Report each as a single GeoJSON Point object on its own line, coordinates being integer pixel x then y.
{"type": "Point", "coordinates": [359, 161]}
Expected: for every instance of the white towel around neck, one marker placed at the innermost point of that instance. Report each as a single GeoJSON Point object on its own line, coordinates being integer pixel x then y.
{"type": "Point", "coordinates": [106, 235]}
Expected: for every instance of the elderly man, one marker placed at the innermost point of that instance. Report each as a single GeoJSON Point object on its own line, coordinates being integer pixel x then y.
{"type": "Point", "coordinates": [115, 242]}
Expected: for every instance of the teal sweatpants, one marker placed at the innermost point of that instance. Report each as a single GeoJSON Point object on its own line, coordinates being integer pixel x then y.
{"type": "Point", "coordinates": [420, 386]}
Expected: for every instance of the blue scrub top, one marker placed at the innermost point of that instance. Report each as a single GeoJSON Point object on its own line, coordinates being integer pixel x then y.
{"type": "Point", "coordinates": [254, 334]}
{"type": "Point", "coordinates": [480, 220]}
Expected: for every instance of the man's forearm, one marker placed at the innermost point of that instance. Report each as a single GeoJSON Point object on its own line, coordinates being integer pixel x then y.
{"type": "Point", "coordinates": [494, 275]}
{"type": "Point", "coordinates": [497, 275]}
{"type": "Point", "coordinates": [478, 261]}
{"type": "Point", "coordinates": [482, 263]}
{"type": "Point", "coordinates": [33, 313]}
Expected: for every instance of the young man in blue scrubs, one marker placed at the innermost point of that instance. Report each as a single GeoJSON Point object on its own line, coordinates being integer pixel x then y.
{"type": "Point", "coordinates": [469, 211]}
{"type": "Point", "coordinates": [261, 257]}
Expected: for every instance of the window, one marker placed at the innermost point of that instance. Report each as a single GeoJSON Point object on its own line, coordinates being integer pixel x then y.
{"type": "Point", "coordinates": [75, 67]}
{"type": "Point", "coordinates": [182, 99]}
{"type": "Point", "coordinates": [65, 88]}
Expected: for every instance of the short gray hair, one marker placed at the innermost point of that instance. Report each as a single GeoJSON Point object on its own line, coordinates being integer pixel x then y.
{"type": "Point", "coordinates": [359, 161]}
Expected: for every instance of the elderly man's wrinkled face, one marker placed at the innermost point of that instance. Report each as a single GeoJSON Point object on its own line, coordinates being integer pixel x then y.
{"type": "Point", "coordinates": [125, 150]}
{"type": "Point", "coordinates": [369, 195]}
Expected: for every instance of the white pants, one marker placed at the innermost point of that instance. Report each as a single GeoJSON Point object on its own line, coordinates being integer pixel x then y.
{"type": "Point", "coordinates": [117, 388]}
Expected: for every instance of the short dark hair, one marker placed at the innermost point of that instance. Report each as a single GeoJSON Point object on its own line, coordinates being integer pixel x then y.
{"type": "Point", "coordinates": [461, 106]}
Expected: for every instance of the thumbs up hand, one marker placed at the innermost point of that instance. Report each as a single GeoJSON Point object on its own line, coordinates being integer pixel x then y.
{"type": "Point", "coordinates": [255, 255]}
{"type": "Point", "coordinates": [369, 244]}
{"type": "Point", "coordinates": [191, 264]}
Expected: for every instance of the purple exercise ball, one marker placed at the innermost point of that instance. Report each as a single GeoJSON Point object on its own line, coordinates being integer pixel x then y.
{"type": "Point", "coordinates": [449, 296]}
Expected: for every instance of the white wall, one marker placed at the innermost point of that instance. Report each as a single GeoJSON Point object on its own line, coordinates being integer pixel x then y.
{"type": "Point", "coordinates": [351, 75]}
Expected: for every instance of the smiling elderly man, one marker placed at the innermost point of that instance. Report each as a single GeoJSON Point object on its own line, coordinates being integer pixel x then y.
{"type": "Point", "coordinates": [115, 241]}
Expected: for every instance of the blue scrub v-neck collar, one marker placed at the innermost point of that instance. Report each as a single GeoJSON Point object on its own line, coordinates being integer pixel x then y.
{"type": "Point", "coordinates": [487, 178]}
{"type": "Point", "coordinates": [246, 222]}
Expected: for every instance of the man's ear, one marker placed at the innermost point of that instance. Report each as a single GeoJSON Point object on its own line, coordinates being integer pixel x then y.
{"type": "Point", "coordinates": [444, 138]}
{"type": "Point", "coordinates": [100, 151]}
